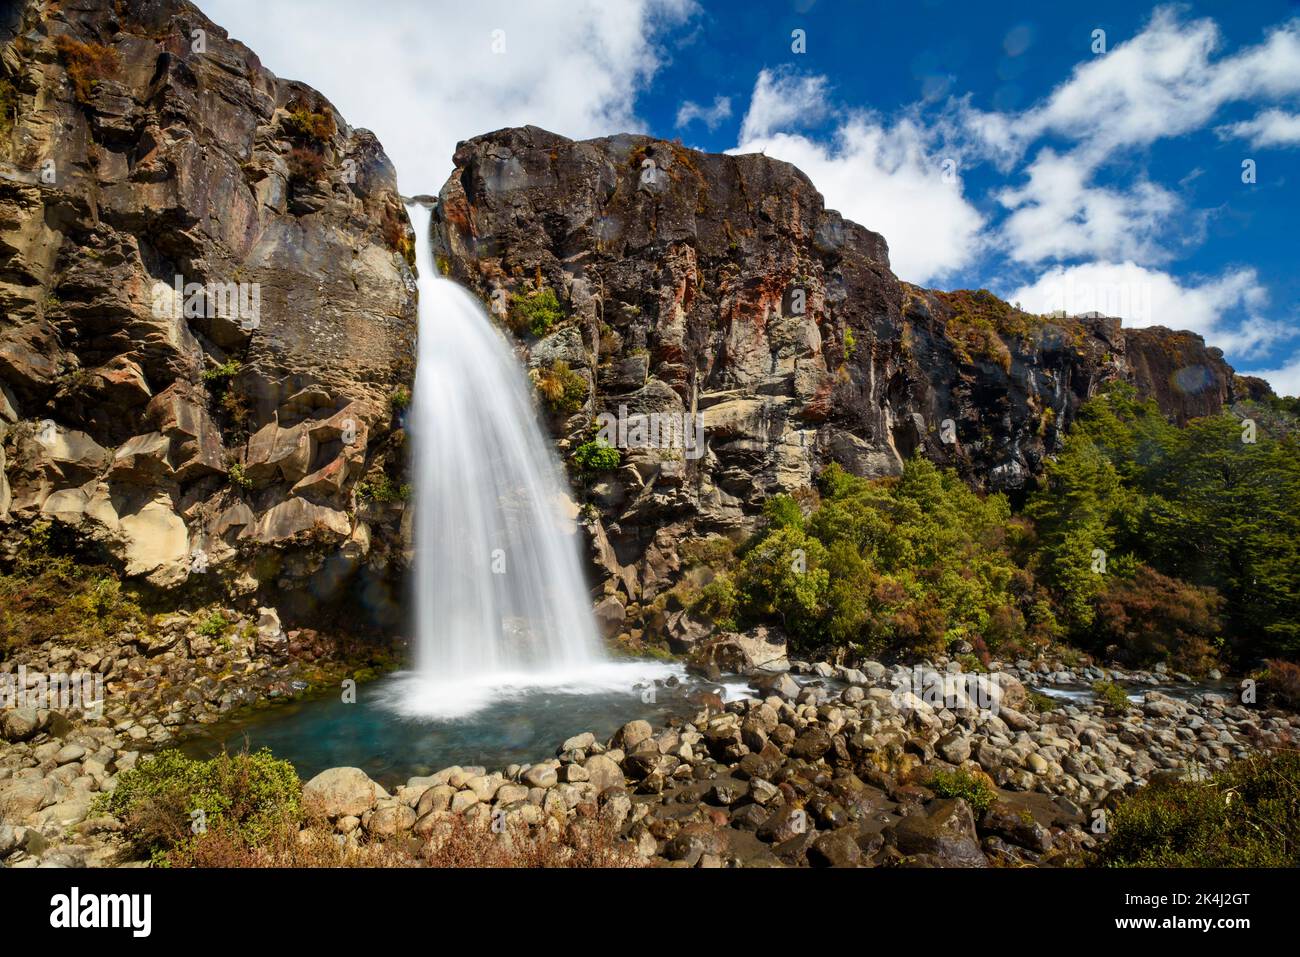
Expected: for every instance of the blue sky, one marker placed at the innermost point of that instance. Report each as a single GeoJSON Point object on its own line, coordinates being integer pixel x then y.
{"type": "Point", "coordinates": [1013, 148]}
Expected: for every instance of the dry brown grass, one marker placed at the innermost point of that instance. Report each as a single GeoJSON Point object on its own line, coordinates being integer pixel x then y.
{"type": "Point", "coordinates": [87, 64]}
{"type": "Point", "coordinates": [458, 841]}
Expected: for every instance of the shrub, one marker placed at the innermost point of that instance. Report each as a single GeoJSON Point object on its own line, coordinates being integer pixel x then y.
{"type": "Point", "coordinates": [383, 490]}
{"type": "Point", "coordinates": [535, 312]}
{"type": "Point", "coordinates": [214, 626]}
{"type": "Point", "coordinates": [1111, 697]}
{"type": "Point", "coordinates": [309, 125]}
{"type": "Point", "coordinates": [563, 390]}
{"type": "Point", "coordinates": [47, 595]}
{"type": "Point", "coordinates": [974, 789]}
{"type": "Point", "coordinates": [244, 798]}
{"type": "Point", "coordinates": [458, 841]}
{"type": "Point", "coordinates": [400, 399]}
{"type": "Point", "coordinates": [1247, 815]}
{"type": "Point", "coordinates": [1042, 703]}
{"type": "Point", "coordinates": [597, 456]}
{"type": "Point", "coordinates": [306, 164]}
{"type": "Point", "coordinates": [1153, 618]}
{"type": "Point", "coordinates": [238, 476]}
{"type": "Point", "coordinates": [220, 373]}
{"type": "Point", "coordinates": [87, 64]}
{"type": "Point", "coordinates": [1281, 684]}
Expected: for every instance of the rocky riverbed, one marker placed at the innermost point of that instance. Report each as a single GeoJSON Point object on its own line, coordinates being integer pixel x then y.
{"type": "Point", "coordinates": [835, 769]}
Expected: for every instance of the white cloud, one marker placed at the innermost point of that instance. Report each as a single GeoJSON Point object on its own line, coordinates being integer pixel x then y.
{"type": "Point", "coordinates": [1058, 215]}
{"type": "Point", "coordinates": [1269, 128]}
{"type": "Point", "coordinates": [1147, 297]}
{"type": "Point", "coordinates": [1285, 379]}
{"type": "Point", "coordinates": [783, 100]}
{"type": "Point", "coordinates": [890, 180]}
{"type": "Point", "coordinates": [423, 76]}
{"type": "Point", "coordinates": [1164, 82]}
{"type": "Point", "coordinates": [710, 116]}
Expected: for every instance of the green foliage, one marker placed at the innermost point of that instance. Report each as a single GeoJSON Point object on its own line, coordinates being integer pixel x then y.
{"type": "Point", "coordinates": [974, 789]}
{"type": "Point", "coordinates": [1247, 815]}
{"type": "Point", "coordinates": [249, 797]}
{"type": "Point", "coordinates": [535, 312]}
{"type": "Point", "coordinates": [238, 476]}
{"type": "Point", "coordinates": [219, 373]}
{"type": "Point", "coordinates": [597, 456]}
{"type": "Point", "coordinates": [563, 390]}
{"type": "Point", "coordinates": [1111, 696]}
{"type": "Point", "coordinates": [309, 126]}
{"type": "Point", "coordinates": [214, 626]}
{"type": "Point", "coordinates": [400, 398]}
{"type": "Point", "coordinates": [1196, 504]}
{"type": "Point", "coordinates": [383, 490]}
{"type": "Point", "coordinates": [51, 594]}
{"type": "Point", "coordinates": [902, 565]}
{"type": "Point", "coordinates": [850, 343]}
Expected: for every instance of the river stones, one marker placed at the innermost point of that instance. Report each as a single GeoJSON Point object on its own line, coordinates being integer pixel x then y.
{"type": "Point", "coordinates": [942, 834]}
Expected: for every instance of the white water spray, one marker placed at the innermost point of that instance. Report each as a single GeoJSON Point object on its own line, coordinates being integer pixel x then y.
{"type": "Point", "coordinates": [498, 585]}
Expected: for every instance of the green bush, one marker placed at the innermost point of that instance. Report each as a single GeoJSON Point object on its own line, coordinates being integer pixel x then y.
{"type": "Point", "coordinates": [214, 626]}
{"type": "Point", "coordinates": [248, 797]}
{"type": "Point", "coordinates": [400, 399]}
{"type": "Point", "coordinates": [237, 475]}
{"type": "Point", "coordinates": [383, 490]}
{"type": "Point", "coordinates": [597, 456]}
{"type": "Point", "coordinates": [50, 594]}
{"type": "Point", "coordinates": [563, 389]}
{"type": "Point", "coordinates": [219, 373]}
{"type": "Point", "coordinates": [974, 789]}
{"type": "Point", "coordinates": [535, 312]}
{"type": "Point", "coordinates": [1247, 815]}
{"type": "Point", "coordinates": [1111, 696]}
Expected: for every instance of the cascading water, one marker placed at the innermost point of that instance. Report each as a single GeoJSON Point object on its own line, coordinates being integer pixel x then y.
{"type": "Point", "coordinates": [499, 595]}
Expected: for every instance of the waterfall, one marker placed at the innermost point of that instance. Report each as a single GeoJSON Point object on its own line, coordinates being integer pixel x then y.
{"type": "Point", "coordinates": [498, 588]}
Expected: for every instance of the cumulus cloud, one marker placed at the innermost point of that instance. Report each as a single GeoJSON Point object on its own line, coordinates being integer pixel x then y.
{"type": "Point", "coordinates": [1058, 215]}
{"type": "Point", "coordinates": [710, 116]}
{"type": "Point", "coordinates": [784, 100]}
{"type": "Point", "coordinates": [424, 76]}
{"type": "Point", "coordinates": [1166, 81]}
{"type": "Point", "coordinates": [1269, 128]}
{"type": "Point", "coordinates": [1148, 297]}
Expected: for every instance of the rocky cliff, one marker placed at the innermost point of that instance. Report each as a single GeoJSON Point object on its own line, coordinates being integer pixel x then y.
{"type": "Point", "coordinates": [207, 312]}
{"type": "Point", "coordinates": [721, 285]}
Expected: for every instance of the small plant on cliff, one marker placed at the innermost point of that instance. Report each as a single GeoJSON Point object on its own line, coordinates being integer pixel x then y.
{"type": "Point", "coordinates": [535, 313]}
{"type": "Point", "coordinates": [563, 389]}
{"type": "Point", "coordinates": [238, 476]}
{"type": "Point", "coordinates": [308, 125]}
{"type": "Point", "coordinates": [597, 456]}
{"type": "Point", "coordinates": [306, 165]}
{"type": "Point", "coordinates": [220, 373]}
{"type": "Point", "coordinates": [245, 797]}
{"type": "Point", "coordinates": [400, 399]}
{"type": "Point", "coordinates": [383, 490]}
{"type": "Point", "coordinates": [214, 626]}
{"type": "Point", "coordinates": [87, 64]}
{"type": "Point", "coordinates": [974, 789]}
{"type": "Point", "coordinates": [850, 343]}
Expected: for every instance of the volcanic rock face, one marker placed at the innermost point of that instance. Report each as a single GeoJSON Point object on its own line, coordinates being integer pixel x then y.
{"type": "Point", "coordinates": [721, 286]}
{"type": "Point", "coordinates": [206, 302]}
